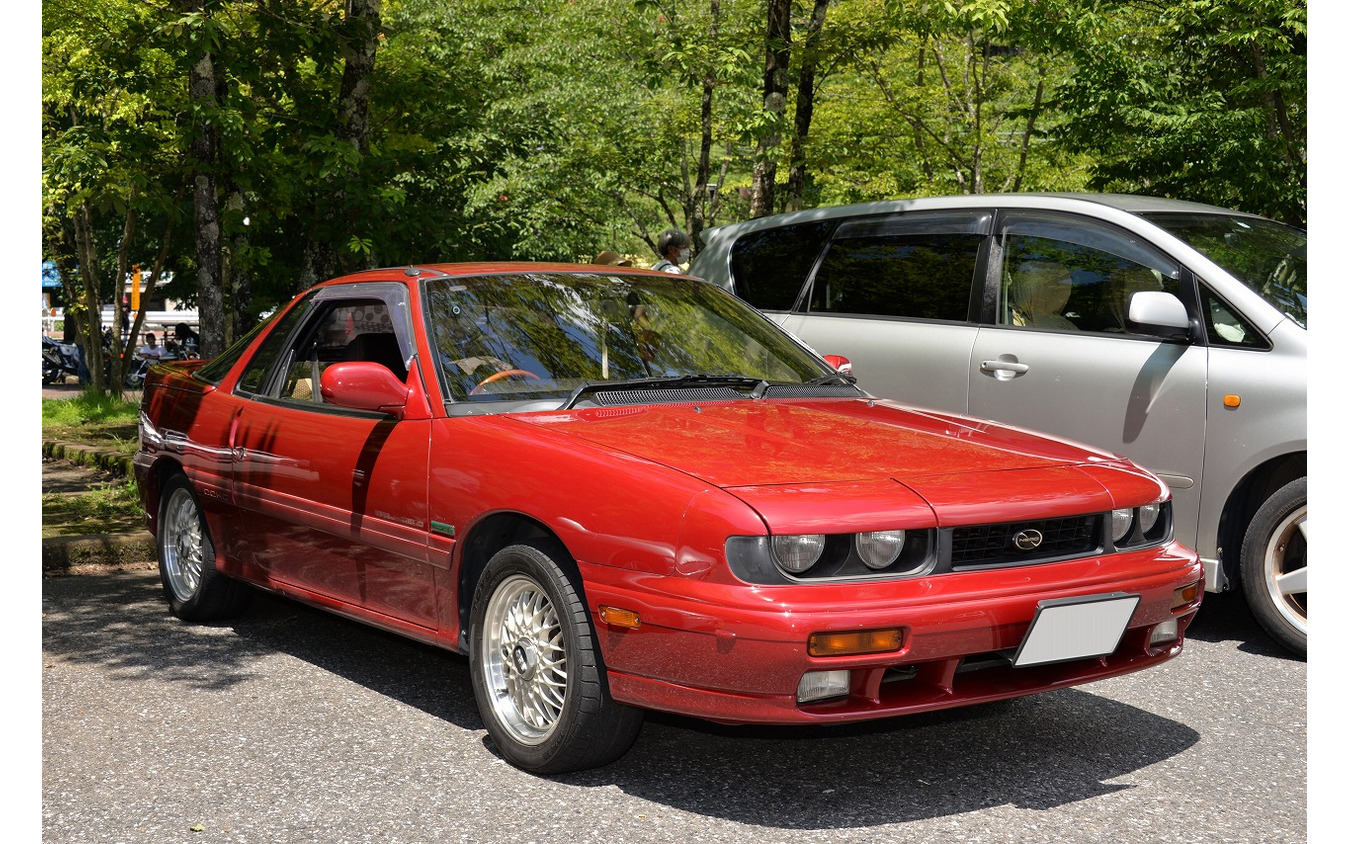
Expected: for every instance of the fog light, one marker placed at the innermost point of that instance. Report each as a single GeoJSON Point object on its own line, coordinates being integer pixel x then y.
{"type": "Point", "coordinates": [818, 685]}
{"type": "Point", "coordinates": [1163, 633]}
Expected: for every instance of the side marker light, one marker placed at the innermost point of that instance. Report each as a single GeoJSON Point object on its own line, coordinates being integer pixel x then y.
{"type": "Point", "coordinates": [615, 617]}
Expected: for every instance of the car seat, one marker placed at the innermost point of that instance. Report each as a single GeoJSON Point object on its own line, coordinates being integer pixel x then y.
{"type": "Point", "coordinates": [1039, 292]}
{"type": "Point", "coordinates": [378, 348]}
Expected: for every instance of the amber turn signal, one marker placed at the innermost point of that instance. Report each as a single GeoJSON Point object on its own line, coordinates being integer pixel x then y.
{"type": "Point", "coordinates": [1185, 595]}
{"type": "Point", "coordinates": [615, 617]}
{"type": "Point", "coordinates": [1232, 400]}
{"type": "Point", "coordinates": [846, 644]}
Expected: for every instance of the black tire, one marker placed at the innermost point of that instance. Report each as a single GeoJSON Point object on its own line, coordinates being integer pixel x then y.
{"type": "Point", "coordinates": [538, 677]}
{"type": "Point", "coordinates": [1275, 566]}
{"type": "Point", "coordinates": [196, 591]}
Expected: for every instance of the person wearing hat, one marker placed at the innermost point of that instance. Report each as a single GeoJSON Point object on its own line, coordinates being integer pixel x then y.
{"type": "Point", "coordinates": [673, 247]}
{"type": "Point", "coordinates": [610, 258]}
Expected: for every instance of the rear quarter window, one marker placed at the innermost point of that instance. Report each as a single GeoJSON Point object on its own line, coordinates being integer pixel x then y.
{"type": "Point", "coordinates": [919, 276]}
{"type": "Point", "coordinates": [770, 266]}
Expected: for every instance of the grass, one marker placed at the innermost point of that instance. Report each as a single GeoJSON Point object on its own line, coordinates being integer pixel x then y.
{"type": "Point", "coordinates": [112, 506]}
{"type": "Point", "coordinates": [108, 421]}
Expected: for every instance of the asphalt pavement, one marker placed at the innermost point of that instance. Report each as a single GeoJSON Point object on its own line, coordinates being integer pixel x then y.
{"type": "Point", "coordinates": [289, 724]}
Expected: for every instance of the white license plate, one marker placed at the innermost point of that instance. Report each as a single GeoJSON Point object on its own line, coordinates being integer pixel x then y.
{"type": "Point", "coordinates": [1076, 628]}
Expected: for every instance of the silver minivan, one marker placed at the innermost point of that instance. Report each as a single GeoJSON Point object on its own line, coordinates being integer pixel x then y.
{"type": "Point", "coordinates": [1170, 332]}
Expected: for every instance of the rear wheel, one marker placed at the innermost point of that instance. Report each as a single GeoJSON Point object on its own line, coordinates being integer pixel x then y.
{"type": "Point", "coordinates": [1275, 565]}
{"type": "Point", "coordinates": [537, 673]}
{"type": "Point", "coordinates": [187, 560]}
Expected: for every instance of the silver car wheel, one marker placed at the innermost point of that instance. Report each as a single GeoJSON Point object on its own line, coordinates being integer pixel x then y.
{"type": "Point", "coordinates": [182, 545]}
{"type": "Point", "coordinates": [1286, 568]}
{"type": "Point", "coordinates": [524, 660]}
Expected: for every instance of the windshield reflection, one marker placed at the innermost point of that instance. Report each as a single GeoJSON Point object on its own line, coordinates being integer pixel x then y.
{"type": "Point", "coordinates": [1269, 257]}
{"type": "Point", "coordinates": [542, 335]}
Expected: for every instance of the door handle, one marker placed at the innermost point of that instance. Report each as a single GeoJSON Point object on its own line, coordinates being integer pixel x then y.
{"type": "Point", "coordinates": [1003, 366]}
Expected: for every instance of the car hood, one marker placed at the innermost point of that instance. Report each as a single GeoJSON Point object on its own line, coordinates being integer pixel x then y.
{"type": "Point", "coordinates": [766, 442]}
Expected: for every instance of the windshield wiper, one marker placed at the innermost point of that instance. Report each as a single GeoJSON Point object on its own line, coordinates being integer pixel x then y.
{"type": "Point", "coordinates": [832, 378]}
{"type": "Point", "coordinates": [757, 385]}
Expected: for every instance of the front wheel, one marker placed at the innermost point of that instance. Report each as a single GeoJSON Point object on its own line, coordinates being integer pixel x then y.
{"type": "Point", "coordinates": [537, 674]}
{"type": "Point", "coordinates": [1275, 565]}
{"type": "Point", "coordinates": [187, 560]}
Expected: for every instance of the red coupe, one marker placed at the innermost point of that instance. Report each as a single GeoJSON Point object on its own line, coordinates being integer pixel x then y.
{"type": "Point", "coordinates": [619, 490]}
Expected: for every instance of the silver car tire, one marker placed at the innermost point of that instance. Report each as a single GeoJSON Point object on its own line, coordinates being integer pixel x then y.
{"type": "Point", "coordinates": [195, 590]}
{"type": "Point", "coordinates": [1275, 566]}
{"type": "Point", "coordinates": [538, 678]}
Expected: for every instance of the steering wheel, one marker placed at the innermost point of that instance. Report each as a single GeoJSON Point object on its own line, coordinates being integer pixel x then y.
{"type": "Point", "coordinates": [497, 376]}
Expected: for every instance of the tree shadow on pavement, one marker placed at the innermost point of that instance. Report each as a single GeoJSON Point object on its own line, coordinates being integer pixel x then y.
{"type": "Point", "coordinates": [1037, 752]}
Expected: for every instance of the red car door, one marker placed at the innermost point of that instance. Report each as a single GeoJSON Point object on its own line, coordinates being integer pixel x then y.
{"type": "Point", "coordinates": [334, 501]}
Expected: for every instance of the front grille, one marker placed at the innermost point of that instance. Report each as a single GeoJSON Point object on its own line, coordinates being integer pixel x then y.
{"type": "Point", "coordinates": [981, 546]}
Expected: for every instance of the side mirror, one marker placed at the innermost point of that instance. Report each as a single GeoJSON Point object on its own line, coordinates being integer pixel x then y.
{"type": "Point", "coordinates": [362, 385]}
{"type": "Point", "coordinates": [1156, 312]}
{"type": "Point", "coordinates": [843, 365]}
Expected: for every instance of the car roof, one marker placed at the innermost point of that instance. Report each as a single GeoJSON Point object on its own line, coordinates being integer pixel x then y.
{"type": "Point", "coordinates": [1129, 203]}
{"type": "Point", "coordinates": [480, 268]}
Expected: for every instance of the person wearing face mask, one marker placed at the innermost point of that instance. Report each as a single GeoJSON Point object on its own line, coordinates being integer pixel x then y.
{"type": "Point", "coordinates": [673, 246]}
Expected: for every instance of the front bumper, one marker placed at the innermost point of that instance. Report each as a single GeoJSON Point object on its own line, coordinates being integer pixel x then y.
{"type": "Point", "coordinates": [736, 653]}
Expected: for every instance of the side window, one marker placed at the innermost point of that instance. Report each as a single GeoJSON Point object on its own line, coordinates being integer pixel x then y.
{"type": "Point", "coordinates": [1070, 274]}
{"type": "Point", "coordinates": [351, 330]}
{"type": "Point", "coordinates": [1225, 327]}
{"type": "Point", "coordinates": [218, 367]}
{"type": "Point", "coordinates": [251, 381]}
{"type": "Point", "coordinates": [915, 266]}
{"type": "Point", "coordinates": [771, 266]}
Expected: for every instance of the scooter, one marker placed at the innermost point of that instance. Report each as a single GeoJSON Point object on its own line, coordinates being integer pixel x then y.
{"type": "Point", "coordinates": [59, 360]}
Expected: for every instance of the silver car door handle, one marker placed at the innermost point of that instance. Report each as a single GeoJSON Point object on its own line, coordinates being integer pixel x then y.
{"type": "Point", "coordinates": [1003, 366]}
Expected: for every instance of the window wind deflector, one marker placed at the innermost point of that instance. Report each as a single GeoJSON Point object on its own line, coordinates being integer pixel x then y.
{"type": "Point", "coordinates": [757, 386]}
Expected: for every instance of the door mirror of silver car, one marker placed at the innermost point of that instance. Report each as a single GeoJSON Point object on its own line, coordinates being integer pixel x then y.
{"type": "Point", "coordinates": [362, 385]}
{"type": "Point", "coordinates": [1156, 312]}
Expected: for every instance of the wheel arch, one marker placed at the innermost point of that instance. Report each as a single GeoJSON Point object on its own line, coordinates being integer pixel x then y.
{"type": "Point", "coordinates": [1247, 497]}
{"type": "Point", "coordinates": [491, 535]}
{"type": "Point", "coordinates": [152, 488]}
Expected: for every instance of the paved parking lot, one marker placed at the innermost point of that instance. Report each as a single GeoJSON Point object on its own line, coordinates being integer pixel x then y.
{"type": "Point", "coordinates": [292, 725]}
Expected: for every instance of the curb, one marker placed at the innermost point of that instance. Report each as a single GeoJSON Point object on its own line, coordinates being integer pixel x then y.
{"type": "Point", "coordinates": [84, 454]}
{"type": "Point", "coordinates": [67, 555]}
{"type": "Point", "coordinates": [70, 555]}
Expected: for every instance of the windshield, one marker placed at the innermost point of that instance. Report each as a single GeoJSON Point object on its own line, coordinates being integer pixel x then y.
{"type": "Point", "coordinates": [545, 335]}
{"type": "Point", "coordinates": [1269, 257]}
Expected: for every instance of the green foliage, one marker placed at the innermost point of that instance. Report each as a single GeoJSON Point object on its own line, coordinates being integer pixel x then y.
{"type": "Point", "coordinates": [519, 129]}
{"type": "Point", "coordinates": [1197, 99]}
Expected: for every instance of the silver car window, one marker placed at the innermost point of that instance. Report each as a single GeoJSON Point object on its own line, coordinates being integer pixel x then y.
{"type": "Point", "coordinates": [1070, 274]}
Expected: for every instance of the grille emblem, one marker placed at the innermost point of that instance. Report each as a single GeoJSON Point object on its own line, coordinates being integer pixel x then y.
{"type": "Point", "coordinates": [1028, 540]}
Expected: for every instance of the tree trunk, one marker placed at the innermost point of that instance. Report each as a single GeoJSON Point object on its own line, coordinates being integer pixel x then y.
{"type": "Point", "coordinates": [703, 195]}
{"type": "Point", "coordinates": [234, 277]}
{"type": "Point", "coordinates": [92, 329]}
{"type": "Point", "coordinates": [806, 104]}
{"type": "Point", "coordinates": [353, 127]}
{"type": "Point", "coordinates": [777, 50]}
{"type": "Point", "coordinates": [205, 211]}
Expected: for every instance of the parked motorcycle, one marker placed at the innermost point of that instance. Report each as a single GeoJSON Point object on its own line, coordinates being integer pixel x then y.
{"type": "Point", "coordinates": [59, 360]}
